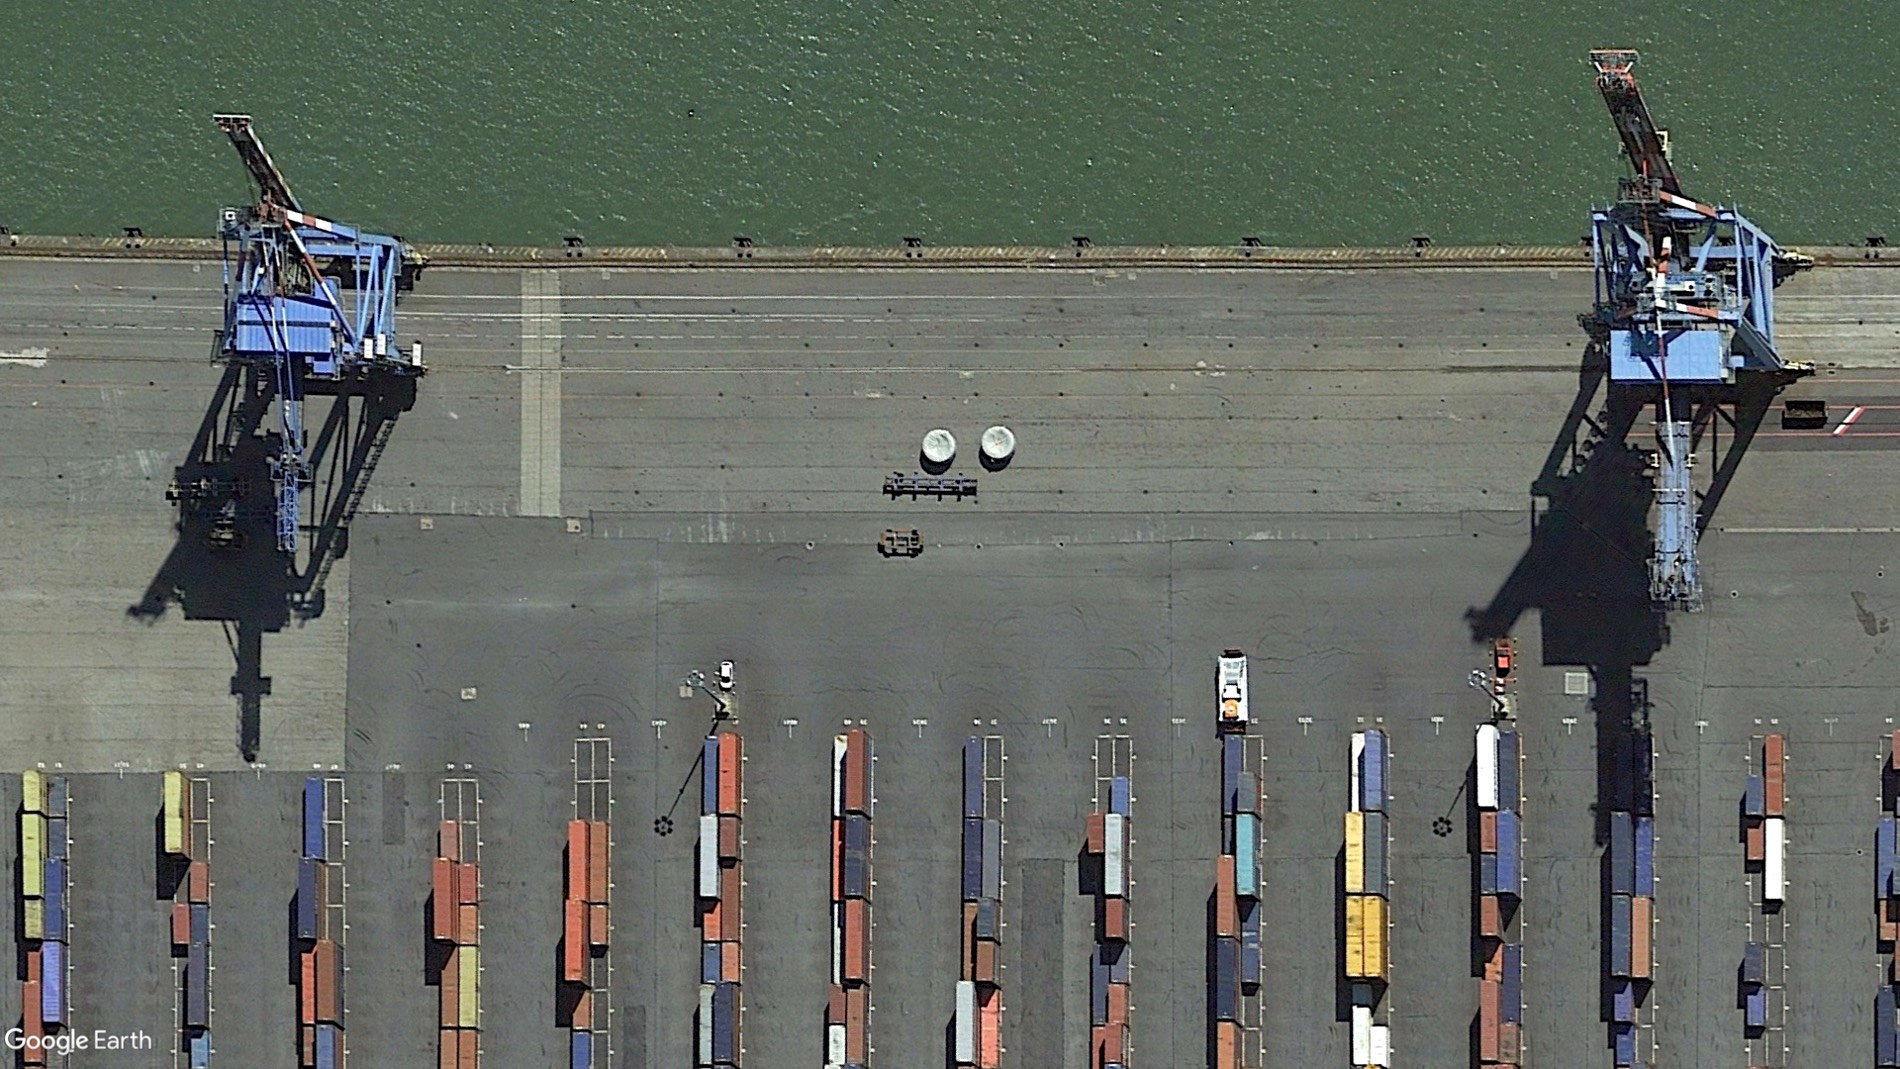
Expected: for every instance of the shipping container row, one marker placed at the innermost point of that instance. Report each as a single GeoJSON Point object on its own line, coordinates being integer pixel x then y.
{"type": "Point", "coordinates": [1501, 1003]}
{"type": "Point", "coordinates": [1371, 1043]}
{"type": "Point", "coordinates": [1498, 765]}
{"type": "Point", "coordinates": [1239, 786]}
{"type": "Point", "coordinates": [847, 1035]}
{"type": "Point", "coordinates": [1366, 951]}
{"type": "Point", "coordinates": [43, 907]}
{"type": "Point", "coordinates": [1632, 931]}
{"type": "Point", "coordinates": [718, 1024]}
{"type": "Point", "coordinates": [459, 1048]}
{"type": "Point", "coordinates": [177, 816]}
{"type": "Point", "coordinates": [977, 1026]}
{"type": "Point", "coordinates": [847, 1030]}
{"type": "Point", "coordinates": [1107, 838]}
{"type": "Point", "coordinates": [1367, 853]}
{"type": "Point", "coordinates": [719, 883]}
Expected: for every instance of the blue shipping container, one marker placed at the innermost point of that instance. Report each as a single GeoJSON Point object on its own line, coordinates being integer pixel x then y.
{"type": "Point", "coordinates": [201, 1050]}
{"type": "Point", "coordinates": [1510, 872]}
{"type": "Point", "coordinates": [972, 858]}
{"type": "Point", "coordinates": [857, 833]}
{"type": "Point", "coordinates": [56, 796]}
{"type": "Point", "coordinates": [1226, 977]}
{"type": "Point", "coordinates": [1754, 796]}
{"type": "Point", "coordinates": [1232, 757]}
{"type": "Point", "coordinates": [986, 926]}
{"type": "Point", "coordinates": [1624, 1037]}
{"type": "Point", "coordinates": [1250, 945]}
{"type": "Point", "coordinates": [973, 778]}
{"type": "Point", "coordinates": [1754, 960]}
{"type": "Point", "coordinates": [1508, 790]}
{"type": "Point", "coordinates": [709, 963]}
{"type": "Point", "coordinates": [1884, 840]}
{"type": "Point", "coordinates": [1757, 1008]}
{"type": "Point", "coordinates": [55, 882]}
{"type": "Point", "coordinates": [1513, 983]}
{"type": "Point", "coordinates": [1622, 853]}
{"type": "Point", "coordinates": [329, 1045]}
{"type": "Point", "coordinates": [1623, 1003]}
{"type": "Point", "coordinates": [1247, 855]}
{"type": "Point", "coordinates": [1619, 935]}
{"type": "Point", "coordinates": [725, 1035]}
{"type": "Point", "coordinates": [1118, 795]}
{"type": "Point", "coordinates": [54, 919]}
{"type": "Point", "coordinates": [1118, 958]}
{"type": "Point", "coordinates": [313, 817]}
{"type": "Point", "coordinates": [1645, 856]}
{"type": "Point", "coordinates": [56, 837]}
{"type": "Point", "coordinates": [52, 983]}
{"type": "Point", "coordinates": [200, 923]}
{"type": "Point", "coordinates": [1372, 773]}
{"type": "Point", "coordinates": [1098, 990]}
{"type": "Point", "coordinates": [1886, 1033]}
{"type": "Point", "coordinates": [580, 1051]}
{"type": "Point", "coordinates": [709, 775]}
{"type": "Point", "coordinates": [307, 898]}
{"type": "Point", "coordinates": [854, 876]}
{"type": "Point", "coordinates": [1487, 874]}
{"type": "Point", "coordinates": [197, 984]}
{"type": "Point", "coordinates": [1247, 794]}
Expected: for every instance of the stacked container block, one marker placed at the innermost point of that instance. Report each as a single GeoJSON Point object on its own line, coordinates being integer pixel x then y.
{"type": "Point", "coordinates": [1632, 862]}
{"type": "Point", "coordinates": [1498, 767]}
{"type": "Point", "coordinates": [585, 917]}
{"type": "Point", "coordinates": [43, 882]}
{"type": "Point", "coordinates": [1368, 904]}
{"type": "Point", "coordinates": [718, 884]}
{"type": "Point", "coordinates": [320, 950]}
{"type": "Point", "coordinates": [1237, 910]}
{"type": "Point", "coordinates": [190, 918]}
{"type": "Point", "coordinates": [1886, 906]}
{"type": "Point", "coordinates": [1107, 841]}
{"type": "Point", "coordinates": [977, 1026]}
{"type": "Point", "coordinates": [847, 1031]}
{"type": "Point", "coordinates": [455, 925]}
{"type": "Point", "coordinates": [1763, 834]}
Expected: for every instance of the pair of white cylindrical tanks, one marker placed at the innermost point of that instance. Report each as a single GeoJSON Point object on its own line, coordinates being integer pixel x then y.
{"type": "Point", "coordinates": [998, 445]}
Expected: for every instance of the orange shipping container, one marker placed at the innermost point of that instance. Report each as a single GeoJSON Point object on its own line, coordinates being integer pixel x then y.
{"type": "Point", "coordinates": [1488, 832]}
{"type": "Point", "coordinates": [451, 989]}
{"type": "Point", "coordinates": [466, 1050]}
{"type": "Point", "coordinates": [1114, 1043]}
{"type": "Point", "coordinates": [181, 924]}
{"type": "Point", "coordinates": [1754, 840]}
{"type": "Point", "coordinates": [989, 1010]}
{"type": "Point", "coordinates": [729, 838]}
{"type": "Point", "coordinates": [446, 1048]}
{"type": "Point", "coordinates": [576, 859]}
{"type": "Point", "coordinates": [468, 925]}
{"type": "Point", "coordinates": [834, 1006]}
{"type": "Point", "coordinates": [326, 965]}
{"type": "Point", "coordinates": [598, 836]}
{"type": "Point", "coordinates": [1494, 963]}
{"type": "Point", "coordinates": [307, 988]}
{"type": "Point", "coordinates": [1641, 931]}
{"type": "Point", "coordinates": [33, 965]}
{"type": "Point", "coordinates": [307, 1045]}
{"type": "Point", "coordinates": [448, 840]}
{"type": "Point", "coordinates": [729, 907]}
{"type": "Point", "coordinates": [597, 925]}
{"type": "Point", "coordinates": [1115, 919]}
{"type": "Point", "coordinates": [1227, 1045]}
{"type": "Point", "coordinates": [468, 883]}
{"type": "Point", "coordinates": [584, 1012]}
{"type": "Point", "coordinates": [573, 940]}
{"type": "Point", "coordinates": [729, 962]}
{"type": "Point", "coordinates": [857, 770]}
{"type": "Point", "coordinates": [1226, 909]}
{"type": "Point", "coordinates": [442, 899]}
{"type": "Point", "coordinates": [983, 967]}
{"type": "Point", "coordinates": [198, 883]}
{"type": "Point", "coordinates": [856, 963]}
{"type": "Point", "coordinates": [857, 1035]}
{"type": "Point", "coordinates": [1117, 1005]}
{"type": "Point", "coordinates": [1490, 998]}
{"type": "Point", "coordinates": [729, 764]}
{"type": "Point", "coordinates": [1097, 833]}
{"type": "Point", "coordinates": [1508, 1042]}
{"type": "Point", "coordinates": [1490, 917]}
{"type": "Point", "coordinates": [30, 997]}
{"type": "Point", "coordinates": [711, 921]}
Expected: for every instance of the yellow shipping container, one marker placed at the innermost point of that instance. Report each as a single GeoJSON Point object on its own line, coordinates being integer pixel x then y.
{"type": "Point", "coordinates": [1355, 936]}
{"type": "Point", "coordinates": [33, 791]}
{"type": "Point", "coordinates": [1377, 963]}
{"type": "Point", "coordinates": [175, 830]}
{"type": "Point", "coordinates": [33, 918]}
{"type": "Point", "coordinates": [1355, 852]}
{"type": "Point", "coordinates": [469, 961]}
{"type": "Point", "coordinates": [32, 854]}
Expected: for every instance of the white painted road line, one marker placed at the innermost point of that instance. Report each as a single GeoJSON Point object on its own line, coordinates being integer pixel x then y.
{"type": "Point", "coordinates": [541, 393]}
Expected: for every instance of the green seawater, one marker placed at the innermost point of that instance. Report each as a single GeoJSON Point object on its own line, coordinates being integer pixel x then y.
{"type": "Point", "coordinates": [797, 122]}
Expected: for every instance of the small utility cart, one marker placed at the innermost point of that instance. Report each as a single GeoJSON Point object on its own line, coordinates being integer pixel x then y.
{"type": "Point", "coordinates": [896, 543]}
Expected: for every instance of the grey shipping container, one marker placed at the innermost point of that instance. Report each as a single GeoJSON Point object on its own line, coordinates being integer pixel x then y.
{"type": "Point", "coordinates": [973, 778]}
{"type": "Point", "coordinates": [1118, 959]}
{"type": "Point", "coordinates": [1510, 869]}
{"type": "Point", "coordinates": [1622, 853]}
{"type": "Point", "coordinates": [307, 898]}
{"type": "Point", "coordinates": [705, 1019]}
{"type": "Point", "coordinates": [1619, 935]}
{"type": "Point", "coordinates": [1226, 979]}
{"type": "Point", "coordinates": [580, 1051]}
{"type": "Point", "coordinates": [54, 919]}
{"type": "Point", "coordinates": [1645, 856]}
{"type": "Point", "coordinates": [1118, 795]}
{"type": "Point", "coordinates": [709, 775]}
{"type": "Point", "coordinates": [1885, 835]}
{"type": "Point", "coordinates": [1232, 756]}
{"type": "Point", "coordinates": [55, 882]}
{"type": "Point", "coordinates": [201, 1050]}
{"type": "Point", "coordinates": [197, 981]}
{"type": "Point", "coordinates": [1886, 1030]}
{"type": "Point", "coordinates": [1623, 1002]}
{"type": "Point", "coordinates": [1754, 794]}
{"type": "Point", "coordinates": [1508, 790]}
{"type": "Point", "coordinates": [857, 833]}
{"type": "Point", "coordinates": [1755, 1005]}
{"type": "Point", "coordinates": [329, 1045]}
{"type": "Point", "coordinates": [709, 963]}
{"type": "Point", "coordinates": [965, 1049]}
{"type": "Point", "coordinates": [200, 924]}
{"type": "Point", "coordinates": [313, 817]}
{"type": "Point", "coordinates": [993, 859]}
{"type": "Point", "coordinates": [56, 837]}
{"type": "Point", "coordinates": [1372, 774]}
{"type": "Point", "coordinates": [725, 1037]}
{"type": "Point", "coordinates": [56, 793]}
{"type": "Point", "coordinates": [1098, 990]}
{"type": "Point", "coordinates": [1375, 853]}
{"type": "Point", "coordinates": [986, 926]}
{"type": "Point", "coordinates": [1623, 1040]}
{"type": "Point", "coordinates": [1487, 874]}
{"type": "Point", "coordinates": [1250, 945]}
{"type": "Point", "coordinates": [854, 875]}
{"type": "Point", "coordinates": [1754, 964]}
{"type": "Point", "coordinates": [1513, 986]}
{"type": "Point", "coordinates": [53, 983]}
{"type": "Point", "coordinates": [972, 858]}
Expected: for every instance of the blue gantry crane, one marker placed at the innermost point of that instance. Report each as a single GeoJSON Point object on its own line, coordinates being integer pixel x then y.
{"type": "Point", "coordinates": [311, 301]}
{"type": "Point", "coordinates": [1685, 294]}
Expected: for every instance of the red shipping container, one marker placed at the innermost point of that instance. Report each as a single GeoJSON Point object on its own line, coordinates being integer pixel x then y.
{"type": "Point", "coordinates": [326, 970]}
{"type": "Point", "coordinates": [1887, 912]}
{"type": "Point", "coordinates": [307, 988]}
{"type": "Point", "coordinates": [729, 909]}
{"type": "Point", "coordinates": [1118, 1005]}
{"type": "Point", "coordinates": [711, 921]}
{"type": "Point", "coordinates": [307, 1045]}
{"type": "Point", "coordinates": [598, 839]}
{"type": "Point", "coordinates": [584, 1012]}
{"type": "Point", "coordinates": [33, 966]}
{"type": "Point", "coordinates": [1114, 1042]}
{"type": "Point", "coordinates": [1494, 963]}
{"type": "Point", "coordinates": [1641, 932]}
{"type": "Point", "coordinates": [465, 1051]}
{"type": "Point", "coordinates": [837, 860]}
{"type": "Point", "coordinates": [1488, 832]}
{"type": "Point", "coordinates": [1774, 768]}
{"type": "Point", "coordinates": [446, 1056]}
{"type": "Point", "coordinates": [857, 1008]}
{"type": "Point", "coordinates": [1508, 1037]}
{"type": "Point", "coordinates": [1227, 1045]}
{"type": "Point", "coordinates": [451, 983]}
{"type": "Point", "coordinates": [989, 1039]}
{"type": "Point", "coordinates": [30, 997]}
{"type": "Point", "coordinates": [834, 1006]}
{"type": "Point", "coordinates": [576, 859]}
{"type": "Point", "coordinates": [729, 765]}
{"type": "Point", "coordinates": [856, 951]}
{"type": "Point", "coordinates": [448, 840]}
{"type": "Point", "coordinates": [857, 770]}
{"type": "Point", "coordinates": [1115, 919]}
{"type": "Point", "coordinates": [468, 925]}
{"type": "Point", "coordinates": [983, 963]}
{"type": "Point", "coordinates": [442, 899]}
{"type": "Point", "coordinates": [1490, 1015]}
{"type": "Point", "coordinates": [468, 883]}
{"type": "Point", "coordinates": [729, 962]}
{"type": "Point", "coordinates": [597, 925]}
{"type": "Point", "coordinates": [181, 924]}
{"type": "Point", "coordinates": [1490, 917]}
{"type": "Point", "coordinates": [1097, 833]}
{"type": "Point", "coordinates": [1754, 840]}
{"type": "Point", "coordinates": [573, 940]}
{"type": "Point", "coordinates": [1226, 909]}
{"type": "Point", "coordinates": [728, 838]}
{"type": "Point", "coordinates": [198, 883]}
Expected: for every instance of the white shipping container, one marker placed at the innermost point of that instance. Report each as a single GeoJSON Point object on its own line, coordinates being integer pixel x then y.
{"type": "Point", "coordinates": [1487, 760]}
{"type": "Point", "coordinates": [834, 1044]}
{"type": "Point", "coordinates": [837, 943]}
{"type": "Point", "coordinates": [705, 1024]}
{"type": "Point", "coordinates": [966, 1022]}
{"type": "Point", "coordinates": [1358, 750]}
{"type": "Point", "coordinates": [1362, 1035]}
{"type": "Point", "coordinates": [837, 775]}
{"type": "Point", "coordinates": [1114, 867]}
{"type": "Point", "coordinates": [1381, 1046]}
{"type": "Point", "coordinates": [1774, 849]}
{"type": "Point", "coordinates": [709, 856]}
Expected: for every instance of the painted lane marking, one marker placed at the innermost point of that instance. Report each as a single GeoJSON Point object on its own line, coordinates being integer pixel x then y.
{"type": "Point", "coordinates": [1858, 411]}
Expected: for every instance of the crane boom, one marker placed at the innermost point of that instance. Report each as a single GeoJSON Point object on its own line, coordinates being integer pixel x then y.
{"type": "Point", "coordinates": [272, 190]}
{"type": "Point", "coordinates": [1643, 142]}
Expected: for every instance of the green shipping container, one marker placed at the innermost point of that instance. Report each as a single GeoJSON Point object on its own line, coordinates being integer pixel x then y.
{"type": "Point", "coordinates": [33, 791]}
{"type": "Point", "coordinates": [469, 959]}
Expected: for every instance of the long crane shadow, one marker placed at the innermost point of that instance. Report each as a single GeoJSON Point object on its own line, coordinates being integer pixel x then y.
{"type": "Point", "coordinates": [225, 565]}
